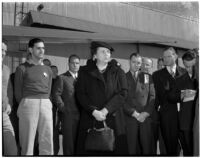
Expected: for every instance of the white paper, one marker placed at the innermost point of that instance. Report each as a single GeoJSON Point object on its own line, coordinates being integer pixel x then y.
{"type": "Point", "coordinates": [189, 99]}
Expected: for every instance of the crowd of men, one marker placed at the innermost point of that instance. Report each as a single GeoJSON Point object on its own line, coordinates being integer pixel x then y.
{"type": "Point", "coordinates": [162, 106]}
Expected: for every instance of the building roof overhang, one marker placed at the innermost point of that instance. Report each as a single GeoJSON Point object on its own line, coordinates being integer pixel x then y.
{"type": "Point", "coordinates": [59, 29]}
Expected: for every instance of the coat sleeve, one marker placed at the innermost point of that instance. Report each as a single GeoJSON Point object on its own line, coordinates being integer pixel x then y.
{"type": "Point", "coordinates": [10, 91]}
{"type": "Point", "coordinates": [119, 98]}
{"type": "Point", "coordinates": [128, 109]}
{"type": "Point", "coordinates": [19, 74]}
{"type": "Point", "coordinates": [154, 78]}
{"type": "Point", "coordinates": [151, 97]}
{"type": "Point", "coordinates": [57, 93]}
{"type": "Point", "coordinates": [162, 89]}
{"type": "Point", "coordinates": [81, 93]}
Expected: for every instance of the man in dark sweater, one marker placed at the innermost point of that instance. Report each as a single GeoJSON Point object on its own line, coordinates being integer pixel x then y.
{"type": "Point", "coordinates": [32, 90]}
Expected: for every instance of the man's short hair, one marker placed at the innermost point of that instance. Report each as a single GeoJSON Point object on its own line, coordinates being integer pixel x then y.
{"type": "Point", "coordinates": [160, 59]}
{"type": "Point", "coordinates": [189, 55]}
{"type": "Point", "coordinates": [134, 54]}
{"type": "Point", "coordinates": [54, 66]}
{"type": "Point", "coordinates": [73, 56]}
{"type": "Point", "coordinates": [32, 42]}
{"type": "Point", "coordinates": [170, 49]}
{"type": "Point", "coordinates": [47, 62]}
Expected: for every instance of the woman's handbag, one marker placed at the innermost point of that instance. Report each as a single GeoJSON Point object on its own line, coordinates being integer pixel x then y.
{"type": "Point", "coordinates": [102, 139]}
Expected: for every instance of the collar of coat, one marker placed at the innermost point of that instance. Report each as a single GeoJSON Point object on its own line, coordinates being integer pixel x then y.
{"type": "Point", "coordinates": [92, 69]}
{"type": "Point", "coordinates": [179, 71]}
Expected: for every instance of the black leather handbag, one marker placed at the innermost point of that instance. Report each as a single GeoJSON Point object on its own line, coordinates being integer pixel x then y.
{"type": "Point", "coordinates": [102, 139]}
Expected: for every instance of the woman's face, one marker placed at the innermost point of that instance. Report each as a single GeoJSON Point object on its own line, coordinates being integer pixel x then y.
{"type": "Point", "coordinates": [103, 54]}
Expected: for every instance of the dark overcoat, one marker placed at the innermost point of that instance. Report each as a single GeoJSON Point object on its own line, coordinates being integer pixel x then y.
{"type": "Point", "coordinates": [95, 92]}
{"type": "Point", "coordinates": [187, 109]}
{"type": "Point", "coordinates": [164, 83]}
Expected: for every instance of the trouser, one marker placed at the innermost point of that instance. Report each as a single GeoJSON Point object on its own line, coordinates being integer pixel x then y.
{"type": "Point", "coordinates": [9, 143]}
{"type": "Point", "coordinates": [186, 139]}
{"type": "Point", "coordinates": [35, 115]}
{"type": "Point", "coordinates": [69, 127]}
{"type": "Point", "coordinates": [157, 137]}
{"type": "Point", "coordinates": [139, 134]}
{"type": "Point", "coordinates": [56, 123]}
{"type": "Point", "coordinates": [169, 131]}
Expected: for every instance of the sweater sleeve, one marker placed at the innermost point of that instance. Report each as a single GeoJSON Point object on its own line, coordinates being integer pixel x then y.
{"type": "Point", "coordinates": [50, 82]}
{"type": "Point", "coordinates": [10, 91]}
{"type": "Point", "coordinates": [19, 83]}
{"type": "Point", "coordinates": [119, 98]}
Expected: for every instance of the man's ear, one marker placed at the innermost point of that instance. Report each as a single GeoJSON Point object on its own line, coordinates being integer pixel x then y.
{"type": "Point", "coordinates": [30, 50]}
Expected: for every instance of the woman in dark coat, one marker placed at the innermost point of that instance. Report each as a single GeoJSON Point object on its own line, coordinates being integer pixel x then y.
{"type": "Point", "coordinates": [101, 91]}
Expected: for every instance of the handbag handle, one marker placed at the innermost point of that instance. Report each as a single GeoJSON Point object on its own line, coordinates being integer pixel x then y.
{"type": "Point", "coordinates": [104, 124]}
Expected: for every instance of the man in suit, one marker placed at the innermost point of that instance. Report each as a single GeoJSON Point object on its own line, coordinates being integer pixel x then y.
{"type": "Point", "coordinates": [165, 80]}
{"type": "Point", "coordinates": [138, 108]}
{"type": "Point", "coordinates": [186, 86]}
{"type": "Point", "coordinates": [64, 99]}
{"type": "Point", "coordinates": [156, 120]}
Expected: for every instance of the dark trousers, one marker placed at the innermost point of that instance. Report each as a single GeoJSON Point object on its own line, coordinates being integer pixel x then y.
{"type": "Point", "coordinates": [15, 123]}
{"type": "Point", "coordinates": [169, 131]}
{"type": "Point", "coordinates": [56, 125]}
{"type": "Point", "coordinates": [139, 136]}
{"type": "Point", "coordinates": [157, 136]}
{"type": "Point", "coordinates": [69, 123]}
{"type": "Point", "coordinates": [186, 139]}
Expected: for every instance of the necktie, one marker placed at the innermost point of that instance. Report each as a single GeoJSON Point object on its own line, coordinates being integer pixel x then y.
{"type": "Point", "coordinates": [172, 73]}
{"type": "Point", "coordinates": [135, 75]}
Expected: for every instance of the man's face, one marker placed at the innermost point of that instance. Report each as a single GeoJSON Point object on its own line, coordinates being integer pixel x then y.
{"type": "Point", "coordinates": [135, 63]}
{"type": "Point", "coordinates": [74, 65]}
{"type": "Point", "coordinates": [169, 58]}
{"type": "Point", "coordinates": [189, 65]}
{"type": "Point", "coordinates": [55, 72]}
{"type": "Point", "coordinates": [4, 50]}
{"type": "Point", "coordinates": [38, 50]}
{"type": "Point", "coordinates": [103, 54]}
{"type": "Point", "coordinates": [146, 65]}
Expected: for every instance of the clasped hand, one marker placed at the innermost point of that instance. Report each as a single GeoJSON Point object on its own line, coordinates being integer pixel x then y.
{"type": "Point", "coordinates": [140, 116]}
{"type": "Point", "coordinates": [100, 115]}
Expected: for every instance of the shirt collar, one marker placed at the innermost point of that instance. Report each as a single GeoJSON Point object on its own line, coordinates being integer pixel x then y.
{"type": "Point", "coordinates": [74, 75]}
{"type": "Point", "coordinates": [171, 68]}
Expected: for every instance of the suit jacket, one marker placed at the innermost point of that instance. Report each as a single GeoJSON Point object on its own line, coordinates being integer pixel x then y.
{"type": "Point", "coordinates": [163, 85]}
{"type": "Point", "coordinates": [63, 95]}
{"type": "Point", "coordinates": [141, 94]}
{"type": "Point", "coordinates": [187, 109]}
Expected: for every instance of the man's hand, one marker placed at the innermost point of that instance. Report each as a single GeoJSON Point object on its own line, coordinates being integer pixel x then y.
{"type": "Point", "coordinates": [142, 116]}
{"type": "Point", "coordinates": [61, 108]}
{"type": "Point", "coordinates": [135, 114]}
{"type": "Point", "coordinates": [189, 93]}
{"type": "Point", "coordinates": [8, 109]}
{"type": "Point", "coordinates": [99, 116]}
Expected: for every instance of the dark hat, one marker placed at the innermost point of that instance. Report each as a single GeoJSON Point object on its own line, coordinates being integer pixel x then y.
{"type": "Point", "coordinates": [95, 45]}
